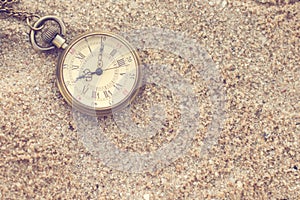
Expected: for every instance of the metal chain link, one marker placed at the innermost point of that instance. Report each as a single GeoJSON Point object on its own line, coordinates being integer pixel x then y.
{"type": "Point", "coordinates": [7, 2]}
{"type": "Point", "coordinates": [7, 11]}
{"type": "Point", "coordinates": [47, 36]}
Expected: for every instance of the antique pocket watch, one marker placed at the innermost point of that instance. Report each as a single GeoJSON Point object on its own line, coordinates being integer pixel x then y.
{"type": "Point", "coordinates": [97, 73]}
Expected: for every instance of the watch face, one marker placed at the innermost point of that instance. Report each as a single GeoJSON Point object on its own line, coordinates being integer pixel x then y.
{"type": "Point", "coordinates": [99, 72]}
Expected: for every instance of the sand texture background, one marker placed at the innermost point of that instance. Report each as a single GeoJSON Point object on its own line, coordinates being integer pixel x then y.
{"type": "Point", "coordinates": [255, 45]}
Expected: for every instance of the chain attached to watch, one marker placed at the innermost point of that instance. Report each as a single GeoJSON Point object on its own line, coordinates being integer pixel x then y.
{"type": "Point", "coordinates": [6, 11]}
{"type": "Point", "coordinates": [51, 35]}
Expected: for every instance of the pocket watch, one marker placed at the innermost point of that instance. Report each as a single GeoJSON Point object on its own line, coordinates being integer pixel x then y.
{"type": "Point", "coordinates": [97, 73]}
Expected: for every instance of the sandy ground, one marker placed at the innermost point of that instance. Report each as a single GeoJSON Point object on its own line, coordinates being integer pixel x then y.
{"type": "Point", "coordinates": [48, 151]}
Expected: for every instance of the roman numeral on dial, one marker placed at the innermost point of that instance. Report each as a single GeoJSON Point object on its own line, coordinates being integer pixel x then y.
{"type": "Point", "coordinates": [80, 56]}
{"type": "Point", "coordinates": [74, 67]}
{"type": "Point", "coordinates": [118, 86]}
{"type": "Point", "coordinates": [107, 93]}
{"type": "Point", "coordinates": [85, 89]}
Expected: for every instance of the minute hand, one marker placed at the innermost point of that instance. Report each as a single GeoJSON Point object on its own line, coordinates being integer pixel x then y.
{"type": "Point", "coordinates": [100, 62]}
{"type": "Point", "coordinates": [114, 67]}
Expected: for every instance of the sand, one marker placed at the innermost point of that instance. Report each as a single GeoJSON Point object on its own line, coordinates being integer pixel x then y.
{"type": "Point", "coordinates": [217, 118]}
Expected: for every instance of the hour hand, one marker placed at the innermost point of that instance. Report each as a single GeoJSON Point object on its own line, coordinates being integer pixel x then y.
{"type": "Point", "coordinates": [87, 75]}
{"type": "Point", "coordinates": [79, 77]}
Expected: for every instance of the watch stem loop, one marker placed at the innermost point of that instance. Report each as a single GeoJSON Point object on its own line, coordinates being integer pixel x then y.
{"type": "Point", "coordinates": [47, 33]}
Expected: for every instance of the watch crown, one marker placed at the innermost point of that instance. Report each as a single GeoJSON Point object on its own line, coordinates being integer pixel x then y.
{"type": "Point", "coordinates": [49, 34]}
{"type": "Point", "coordinates": [52, 35]}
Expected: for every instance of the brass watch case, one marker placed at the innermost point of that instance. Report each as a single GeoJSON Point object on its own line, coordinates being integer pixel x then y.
{"type": "Point", "coordinates": [89, 110]}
